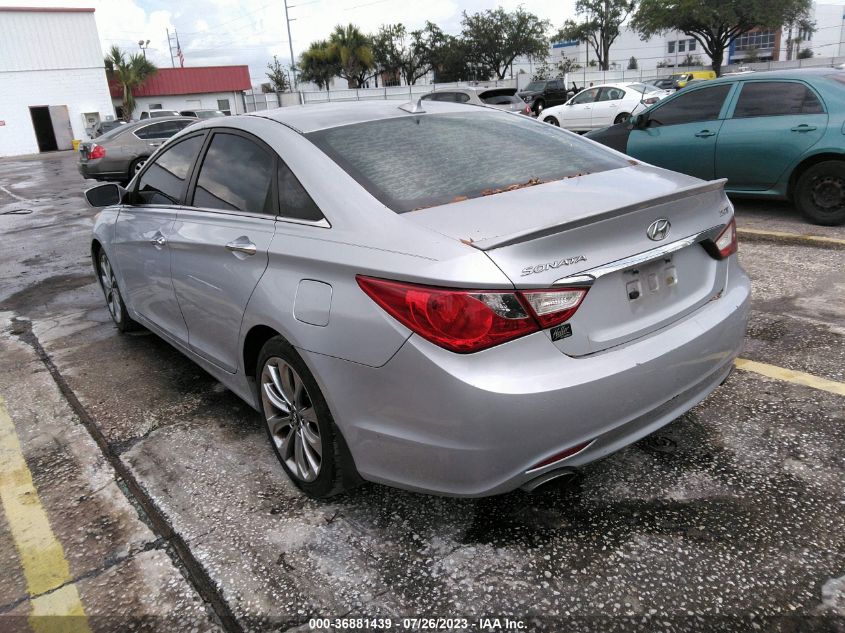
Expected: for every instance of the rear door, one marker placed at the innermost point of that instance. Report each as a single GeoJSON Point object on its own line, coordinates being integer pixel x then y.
{"type": "Point", "coordinates": [143, 233]}
{"type": "Point", "coordinates": [220, 241]}
{"type": "Point", "coordinates": [772, 124]}
{"type": "Point", "coordinates": [682, 130]}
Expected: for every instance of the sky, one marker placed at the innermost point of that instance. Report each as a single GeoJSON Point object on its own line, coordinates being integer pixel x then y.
{"type": "Point", "coordinates": [226, 32]}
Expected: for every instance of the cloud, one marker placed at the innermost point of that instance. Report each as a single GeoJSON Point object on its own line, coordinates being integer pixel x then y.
{"type": "Point", "coordinates": [224, 32]}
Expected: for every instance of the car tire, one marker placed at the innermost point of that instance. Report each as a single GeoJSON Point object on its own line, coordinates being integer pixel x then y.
{"type": "Point", "coordinates": [621, 118]}
{"type": "Point", "coordinates": [552, 121]}
{"type": "Point", "coordinates": [136, 166]}
{"type": "Point", "coordinates": [307, 443]}
{"type": "Point", "coordinates": [538, 107]}
{"type": "Point", "coordinates": [114, 299]}
{"type": "Point", "coordinates": [820, 193]}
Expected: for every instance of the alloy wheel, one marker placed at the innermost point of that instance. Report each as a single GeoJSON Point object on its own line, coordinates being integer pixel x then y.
{"type": "Point", "coordinates": [291, 419]}
{"type": "Point", "coordinates": [110, 289]}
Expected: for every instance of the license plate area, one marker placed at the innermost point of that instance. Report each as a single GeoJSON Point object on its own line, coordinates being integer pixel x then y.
{"type": "Point", "coordinates": [650, 278]}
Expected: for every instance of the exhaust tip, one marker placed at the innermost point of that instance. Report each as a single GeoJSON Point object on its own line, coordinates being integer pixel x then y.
{"type": "Point", "coordinates": [557, 477]}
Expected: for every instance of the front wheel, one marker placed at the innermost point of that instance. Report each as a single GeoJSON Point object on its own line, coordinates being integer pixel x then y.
{"type": "Point", "coordinates": [552, 121]}
{"type": "Point", "coordinates": [820, 193]}
{"type": "Point", "coordinates": [306, 441]}
{"type": "Point", "coordinates": [114, 300]}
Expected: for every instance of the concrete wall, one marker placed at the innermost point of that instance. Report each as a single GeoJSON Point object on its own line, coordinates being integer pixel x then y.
{"type": "Point", "coordinates": [206, 101]}
{"type": "Point", "coordinates": [48, 59]}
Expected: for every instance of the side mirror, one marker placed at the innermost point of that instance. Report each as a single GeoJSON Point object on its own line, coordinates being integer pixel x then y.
{"type": "Point", "coordinates": [105, 195]}
{"type": "Point", "coordinates": [638, 122]}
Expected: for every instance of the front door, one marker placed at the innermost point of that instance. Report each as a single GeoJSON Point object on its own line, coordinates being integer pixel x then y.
{"type": "Point", "coordinates": [773, 124]}
{"type": "Point", "coordinates": [577, 114]}
{"type": "Point", "coordinates": [607, 107]}
{"type": "Point", "coordinates": [142, 238]}
{"type": "Point", "coordinates": [220, 243]}
{"type": "Point", "coordinates": [681, 132]}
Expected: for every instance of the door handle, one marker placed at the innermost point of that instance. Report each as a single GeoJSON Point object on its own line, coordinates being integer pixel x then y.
{"type": "Point", "coordinates": [242, 245]}
{"type": "Point", "coordinates": [154, 144]}
{"type": "Point", "coordinates": [159, 240]}
{"type": "Point", "coordinates": [803, 128]}
{"type": "Point", "coordinates": [705, 134]}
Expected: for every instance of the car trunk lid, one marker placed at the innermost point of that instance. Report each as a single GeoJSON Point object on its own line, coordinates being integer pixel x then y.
{"type": "Point", "coordinates": [596, 236]}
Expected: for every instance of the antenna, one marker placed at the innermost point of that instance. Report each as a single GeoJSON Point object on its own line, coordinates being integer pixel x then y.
{"type": "Point", "coordinates": [413, 108]}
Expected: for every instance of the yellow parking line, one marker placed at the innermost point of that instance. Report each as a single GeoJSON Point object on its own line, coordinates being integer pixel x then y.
{"type": "Point", "coordinates": [818, 239]}
{"type": "Point", "coordinates": [41, 555]}
{"type": "Point", "coordinates": [788, 375]}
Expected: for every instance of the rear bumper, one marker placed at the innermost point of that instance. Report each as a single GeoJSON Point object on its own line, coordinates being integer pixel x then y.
{"type": "Point", "coordinates": [92, 170]}
{"type": "Point", "coordinates": [474, 425]}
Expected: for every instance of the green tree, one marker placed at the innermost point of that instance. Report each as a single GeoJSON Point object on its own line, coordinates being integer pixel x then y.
{"type": "Point", "coordinates": [278, 76]}
{"type": "Point", "coordinates": [353, 52]}
{"type": "Point", "coordinates": [632, 63]}
{"type": "Point", "coordinates": [716, 22]}
{"type": "Point", "coordinates": [805, 53]}
{"type": "Point", "coordinates": [397, 52]}
{"type": "Point", "coordinates": [449, 56]}
{"type": "Point", "coordinates": [752, 54]}
{"type": "Point", "coordinates": [494, 38]}
{"type": "Point", "coordinates": [599, 25]}
{"type": "Point", "coordinates": [318, 64]}
{"type": "Point", "coordinates": [130, 71]}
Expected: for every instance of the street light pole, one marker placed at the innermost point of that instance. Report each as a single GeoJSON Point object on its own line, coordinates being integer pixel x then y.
{"type": "Point", "coordinates": [144, 46]}
{"type": "Point", "coordinates": [290, 44]}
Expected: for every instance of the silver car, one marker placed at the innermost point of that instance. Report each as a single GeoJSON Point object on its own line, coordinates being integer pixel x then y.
{"type": "Point", "coordinates": [404, 306]}
{"type": "Point", "coordinates": [121, 152]}
{"type": "Point", "coordinates": [501, 98]}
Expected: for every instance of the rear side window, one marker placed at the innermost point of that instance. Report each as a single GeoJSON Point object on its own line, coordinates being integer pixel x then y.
{"type": "Point", "coordinates": [696, 105]}
{"type": "Point", "coordinates": [294, 201]}
{"type": "Point", "coordinates": [413, 162]}
{"type": "Point", "coordinates": [501, 100]}
{"type": "Point", "coordinates": [235, 175]}
{"type": "Point", "coordinates": [165, 129]}
{"type": "Point", "coordinates": [164, 180]}
{"type": "Point", "coordinates": [776, 98]}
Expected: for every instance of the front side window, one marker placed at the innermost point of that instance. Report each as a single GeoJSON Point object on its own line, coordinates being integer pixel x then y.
{"type": "Point", "coordinates": [235, 176]}
{"type": "Point", "coordinates": [696, 105]}
{"type": "Point", "coordinates": [776, 98]}
{"type": "Point", "coordinates": [164, 180]}
{"type": "Point", "coordinates": [585, 96]}
{"type": "Point", "coordinates": [414, 162]}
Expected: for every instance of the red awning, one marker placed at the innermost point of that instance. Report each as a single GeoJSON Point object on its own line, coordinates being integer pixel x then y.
{"type": "Point", "coordinates": [188, 81]}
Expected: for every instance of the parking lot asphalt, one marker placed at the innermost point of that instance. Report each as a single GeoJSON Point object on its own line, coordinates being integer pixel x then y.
{"type": "Point", "coordinates": [138, 493]}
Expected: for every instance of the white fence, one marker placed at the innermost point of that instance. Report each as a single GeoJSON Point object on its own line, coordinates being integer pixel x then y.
{"type": "Point", "coordinates": [263, 101]}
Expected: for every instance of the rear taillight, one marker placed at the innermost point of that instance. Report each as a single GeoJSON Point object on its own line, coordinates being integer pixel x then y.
{"type": "Point", "coordinates": [726, 243]}
{"type": "Point", "coordinates": [96, 151]}
{"type": "Point", "coordinates": [466, 321]}
{"type": "Point", "coordinates": [650, 101]}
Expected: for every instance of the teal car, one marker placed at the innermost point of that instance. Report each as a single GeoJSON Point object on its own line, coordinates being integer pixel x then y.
{"type": "Point", "coordinates": [771, 134]}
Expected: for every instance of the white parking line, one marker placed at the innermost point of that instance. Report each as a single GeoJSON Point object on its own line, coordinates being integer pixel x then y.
{"type": "Point", "coordinates": [14, 195]}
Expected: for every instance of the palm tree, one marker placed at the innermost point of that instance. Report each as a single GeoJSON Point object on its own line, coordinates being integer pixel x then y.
{"type": "Point", "coordinates": [353, 50]}
{"type": "Point", "coordinates": [130, 71]}
{"type": "Point", "coordinates": [318, 64]}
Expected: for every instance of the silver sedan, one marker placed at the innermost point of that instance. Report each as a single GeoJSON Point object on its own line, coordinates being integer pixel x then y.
{"type": "Point", "coordinates": [409, 297]}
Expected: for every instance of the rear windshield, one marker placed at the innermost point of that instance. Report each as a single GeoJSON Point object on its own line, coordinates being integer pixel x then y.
{"type": "Point", "coordinates": [414, 162]}
{"type": "Point", "coordinates": [501, 99]}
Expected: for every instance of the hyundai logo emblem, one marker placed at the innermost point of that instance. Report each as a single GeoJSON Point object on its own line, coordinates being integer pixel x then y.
{"type": "Point", "coordinates": [658, 229]}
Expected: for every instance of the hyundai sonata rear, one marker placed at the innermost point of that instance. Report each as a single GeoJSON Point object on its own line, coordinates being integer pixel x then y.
{"type": "Point", "coordinates": [430, 307]}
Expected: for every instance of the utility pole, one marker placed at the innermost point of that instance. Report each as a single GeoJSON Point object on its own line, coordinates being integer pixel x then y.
{"type": "Point", "coordinates": [170, 49]}
{"type": "Point", "coordinates": [290, 44]}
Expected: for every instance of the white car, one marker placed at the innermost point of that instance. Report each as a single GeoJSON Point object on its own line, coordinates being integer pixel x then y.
{"type": "Point", "coordinates": [600, 106]}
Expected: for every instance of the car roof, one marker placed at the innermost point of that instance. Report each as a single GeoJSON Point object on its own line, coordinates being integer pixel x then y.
{"type": "Point", "coordinates": [792, 73]}
{"type": "Point", "coordinates": [311, 118]}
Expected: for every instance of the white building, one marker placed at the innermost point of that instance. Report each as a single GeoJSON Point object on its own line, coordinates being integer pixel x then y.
{"type": "Point", "coordinates": [198, 88]}
{"type": "Point", "coordinates": [52, 82]}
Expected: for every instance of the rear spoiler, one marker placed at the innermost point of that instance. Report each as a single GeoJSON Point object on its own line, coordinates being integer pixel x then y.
{"type": "Point", "coordinates": [535, 233]}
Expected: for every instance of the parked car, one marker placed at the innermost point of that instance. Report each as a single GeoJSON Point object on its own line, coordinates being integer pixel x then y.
{"type": "Point", "coordinates": [358, 275]}
{"type": "Point", "coordinates": [603, 105]}
{"type": "Point", "coordinates": [105, 126]}
{"type": "Point", "coordinates": [202, 114]}
{"type": "Point", "coordinates": [682, 79]}
{"type": "Point", "coordinates": [119, 154]}
{"type": "Point", "coordinates": [155, 114]}
{"type": "Point", "coordinates": [502, 98]}
{"type": "Point", "coordinates": [540, 95]}
{"type": "Point", "coordinates": [664, 83]}
{"type": "Point", "coordinates": [771, 134]}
